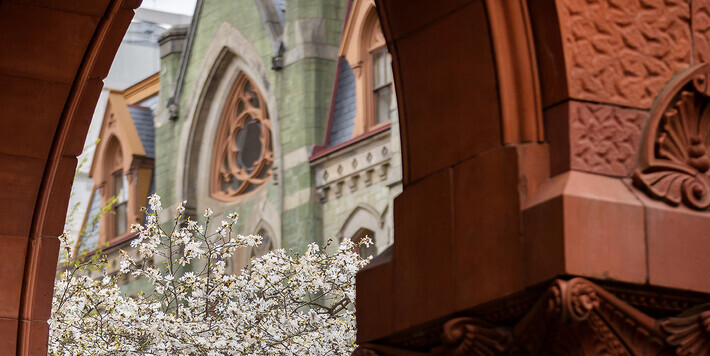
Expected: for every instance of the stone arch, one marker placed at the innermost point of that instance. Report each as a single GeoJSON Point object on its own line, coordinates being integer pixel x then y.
{"type": "Point", "coordinates": [263, 217]}
{"type": "Point", "coordinates": [365, 216]}
{"type": "Point", "coordinates": [55, 57]}
{"type": "Point", "coordinates": [229, 54]}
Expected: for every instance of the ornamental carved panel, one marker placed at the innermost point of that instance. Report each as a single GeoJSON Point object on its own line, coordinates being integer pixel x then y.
{"type": "Point", "coordinates": [701, 30]}
{"type": "Point", "coordinates": [571, 317]}
{"type": "Point", "coordinates": [673, 160]}
{"type": "Point", "coordinates": [242, 158]}
{"type": "Point", "coordinates": [603, 138]}
{"type": "Point", "coordinates": [623, 52]}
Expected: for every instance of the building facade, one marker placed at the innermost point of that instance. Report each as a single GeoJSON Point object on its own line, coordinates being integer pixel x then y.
{"type": "Point", "coordinates": [259, 112]}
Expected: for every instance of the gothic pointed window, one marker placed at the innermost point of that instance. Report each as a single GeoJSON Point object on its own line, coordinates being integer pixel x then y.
{"type": "Point", "coordinates": [265, 246]}
{"type": "Point", "coordinates": [363, 250]}
{"type": "Point", "coordinates": [242, 156]}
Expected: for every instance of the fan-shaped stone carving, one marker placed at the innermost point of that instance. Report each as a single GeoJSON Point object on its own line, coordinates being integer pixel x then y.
{"type": "Point", "coordinates": [690, 331]}
{"type": "Point", "coordinates": [673, 161]}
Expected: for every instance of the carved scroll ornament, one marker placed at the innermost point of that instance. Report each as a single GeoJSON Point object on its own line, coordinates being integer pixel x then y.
{"type": "Point", "coordinates": [572, 317]}
{"type": "Point", "coordinates": [673, 162]}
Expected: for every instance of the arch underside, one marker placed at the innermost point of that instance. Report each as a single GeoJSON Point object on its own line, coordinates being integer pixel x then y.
{"type": "Point", "coordinates": [54, 58]}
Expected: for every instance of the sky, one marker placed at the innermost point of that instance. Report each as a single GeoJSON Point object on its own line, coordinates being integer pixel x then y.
{"type": "Point", "coordinates": [185, 7]}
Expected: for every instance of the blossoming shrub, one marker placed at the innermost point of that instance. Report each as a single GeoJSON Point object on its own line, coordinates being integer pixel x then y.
{"type": "Point", "coordinates": [280, 304]}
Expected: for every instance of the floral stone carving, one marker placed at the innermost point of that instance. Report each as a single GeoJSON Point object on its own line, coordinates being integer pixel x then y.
{"type": "Point", "coordinates": [571, 317]}
{"type": "Point", "coordinates": [673, 161]}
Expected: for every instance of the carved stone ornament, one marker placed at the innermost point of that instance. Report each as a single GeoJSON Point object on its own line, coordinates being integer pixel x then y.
{"type": "Point", "coordinates": [470, 336]}
{"type": "Point", "coordinates": [673, 161]}
{"type": "Point", "coordinates": [690, 331]}
{"type": "Point", "coordinates": [573, 317]}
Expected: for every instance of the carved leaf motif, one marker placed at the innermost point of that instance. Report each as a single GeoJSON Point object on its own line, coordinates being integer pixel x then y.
{"type": "Point", "coordinates": [583, 299]}
{"type": "Point", "coordinates": [690, 331]}
{"type": "Point", "coordinates": [469, 336]}
{"type": "Point", "coordinates": [675, 187]}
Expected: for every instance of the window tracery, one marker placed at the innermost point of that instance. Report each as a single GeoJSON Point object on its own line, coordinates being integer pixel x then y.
{"type": "Point", "coordinates": [243, 155]}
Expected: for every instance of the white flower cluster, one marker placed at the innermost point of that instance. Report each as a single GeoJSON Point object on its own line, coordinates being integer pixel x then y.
{"type": "Point", "coordinates": [280, 304]}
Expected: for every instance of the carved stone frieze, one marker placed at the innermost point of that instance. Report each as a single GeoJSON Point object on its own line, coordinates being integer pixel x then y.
{"type": "Point", "coordinates": [673, 161]}
{"type": "Point", "coordinates": [603, 138]}
{"type": "Point", "coordinates": [623, 53]}
{"type": "Point", "coordinates": [572, 317]}
{"type": "Point", "coordinates": [355, 168]}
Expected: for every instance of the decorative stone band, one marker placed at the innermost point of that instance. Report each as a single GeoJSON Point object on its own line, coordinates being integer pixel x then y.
{"type": "Point", "coordinates": [360, 168]}
{"type": "Point", "coordinates": [575, 317]}
{"type": "Point", "coordinates": [673, 159]}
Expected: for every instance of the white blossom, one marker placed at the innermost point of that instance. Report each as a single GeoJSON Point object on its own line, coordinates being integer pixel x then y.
{"type": "Point", "coordinates": [280, 304]}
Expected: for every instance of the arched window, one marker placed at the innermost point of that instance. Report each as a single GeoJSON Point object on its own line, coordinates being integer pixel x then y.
{"type": "Point", "coordinates": [265, 246]}
{"type": "Point", "coordinates": [378, 68]}
{"type": "Point", "coordinates": [362, 250]}
{"type": "Point", "coordinates": [242, 156]}
{"type": "Point", "coordinates": [365, 50]}
{"type": "Point", "coordinates": [116, 187]}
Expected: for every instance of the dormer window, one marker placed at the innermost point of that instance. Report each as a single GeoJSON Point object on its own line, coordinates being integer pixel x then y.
{"type": "Point", "coordinates": [122, 167]}
{"type": "Point", "coordinates": [120, 208]}
{"type": "Point", "coordinates": [365, 50]}
{"type": "Point", "coordinates": [382, 85]}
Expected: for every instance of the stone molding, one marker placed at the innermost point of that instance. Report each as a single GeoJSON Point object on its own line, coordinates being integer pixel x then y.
{"type": "Point", "coordinates": [571, 317]}
{"type": "Point", "coordinates": [673, 159]}
{"type": "Point", "coordinates": [353, 169]}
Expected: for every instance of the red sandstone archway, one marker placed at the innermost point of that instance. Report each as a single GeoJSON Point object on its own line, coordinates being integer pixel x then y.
{"type": "Point", "coordinates": [53, 58]}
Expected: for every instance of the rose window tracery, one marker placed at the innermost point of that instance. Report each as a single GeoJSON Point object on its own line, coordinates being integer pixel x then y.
{"type": "Point", "coordinates": [243, 156]}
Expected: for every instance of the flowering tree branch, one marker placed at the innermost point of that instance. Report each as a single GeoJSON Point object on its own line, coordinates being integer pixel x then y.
{"type": "Point", "coordinates": [279, 304]}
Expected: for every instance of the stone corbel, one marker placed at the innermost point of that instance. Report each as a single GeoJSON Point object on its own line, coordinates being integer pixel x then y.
{"type": "Point", "coordinates": [383, 171]}
{"type": "Point", "coordinates": [353, 183]}
{"type": "Point", "coordinates": [339, 189]}
{"type": "Point", "coordinates": [323, 193]}
{"type": "Point", "coordinates": [368, 177]}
